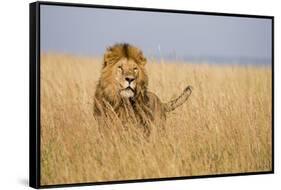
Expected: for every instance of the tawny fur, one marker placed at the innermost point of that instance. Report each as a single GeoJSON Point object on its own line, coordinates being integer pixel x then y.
{"type": "Point", "coordinates": [122, 63]}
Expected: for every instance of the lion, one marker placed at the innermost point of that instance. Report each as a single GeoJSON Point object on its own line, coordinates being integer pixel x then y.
{"type": "Point", "coordinates": [122, 90]}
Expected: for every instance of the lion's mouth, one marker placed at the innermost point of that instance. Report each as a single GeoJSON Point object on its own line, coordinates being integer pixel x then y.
{"type": "Point", "coordinates": [130, 88]}
{"type": "Point", "coordinates": [127, 92]}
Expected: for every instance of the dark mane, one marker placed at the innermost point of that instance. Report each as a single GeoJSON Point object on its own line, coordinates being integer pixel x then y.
{"type": "Point", "coordinates": [123, 50]}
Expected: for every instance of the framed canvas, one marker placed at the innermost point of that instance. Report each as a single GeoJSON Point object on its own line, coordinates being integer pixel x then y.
{"type": "Point", "coordinates": [123, 94]}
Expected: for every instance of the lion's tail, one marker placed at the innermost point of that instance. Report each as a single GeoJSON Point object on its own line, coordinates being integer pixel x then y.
{"type": "Point", "coordinates": [173, 104]}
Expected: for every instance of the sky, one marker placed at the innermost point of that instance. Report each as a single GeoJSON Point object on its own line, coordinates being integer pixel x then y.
{"type": "Point", "coordinates": [89, 31]}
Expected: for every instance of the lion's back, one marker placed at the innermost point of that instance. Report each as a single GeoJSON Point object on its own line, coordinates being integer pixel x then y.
{"type": "Point", "coordinates": [156, 106]}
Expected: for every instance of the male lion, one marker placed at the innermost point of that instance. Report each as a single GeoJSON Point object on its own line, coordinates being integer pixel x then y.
{"type": "Point", "coordinates": [122, 95]}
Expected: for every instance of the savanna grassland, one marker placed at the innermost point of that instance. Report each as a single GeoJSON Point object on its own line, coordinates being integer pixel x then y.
{"type": "Point", "coordinates": [224, 127]}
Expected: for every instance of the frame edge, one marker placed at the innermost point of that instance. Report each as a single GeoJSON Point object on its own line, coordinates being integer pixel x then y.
{"type": "Point", "coordinates": [34, 138]}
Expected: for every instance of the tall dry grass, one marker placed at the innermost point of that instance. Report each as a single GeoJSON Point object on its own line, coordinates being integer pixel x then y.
{"type": "Point", "coordinates": [225, 127]}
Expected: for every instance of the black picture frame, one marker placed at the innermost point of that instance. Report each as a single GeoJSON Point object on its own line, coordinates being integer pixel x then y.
{"type": "Point", "coordinates": [34, 92]}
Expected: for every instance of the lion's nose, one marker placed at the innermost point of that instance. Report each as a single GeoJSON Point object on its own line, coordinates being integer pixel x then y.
{"type": "Point", "coordinates": [130, 79]}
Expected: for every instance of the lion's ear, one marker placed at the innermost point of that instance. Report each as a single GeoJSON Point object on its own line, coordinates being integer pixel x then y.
{"type": "Point", "coordinates": [107, 58]}
{"type": "Point", "coordinates": [142, 59]}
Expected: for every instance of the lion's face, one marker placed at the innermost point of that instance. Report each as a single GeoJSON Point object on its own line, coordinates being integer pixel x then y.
{"type": "Point", "coordinates": [123, 74]}
{"type": "Point", "coordinates": [127, 77]}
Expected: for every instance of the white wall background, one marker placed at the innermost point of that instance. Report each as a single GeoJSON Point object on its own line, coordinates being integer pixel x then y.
{"type": "Point", "coordinates": [14, 53]}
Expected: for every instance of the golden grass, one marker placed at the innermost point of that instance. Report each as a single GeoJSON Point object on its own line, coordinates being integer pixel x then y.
{"type": "Point", "coordinates": [225, 127]}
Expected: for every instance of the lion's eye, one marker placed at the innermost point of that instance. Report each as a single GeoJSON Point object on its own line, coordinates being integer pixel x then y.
{"type": "Point", "coordinates": [120, 68]}
{"type": "Point", "coordinates": [135, 69]}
